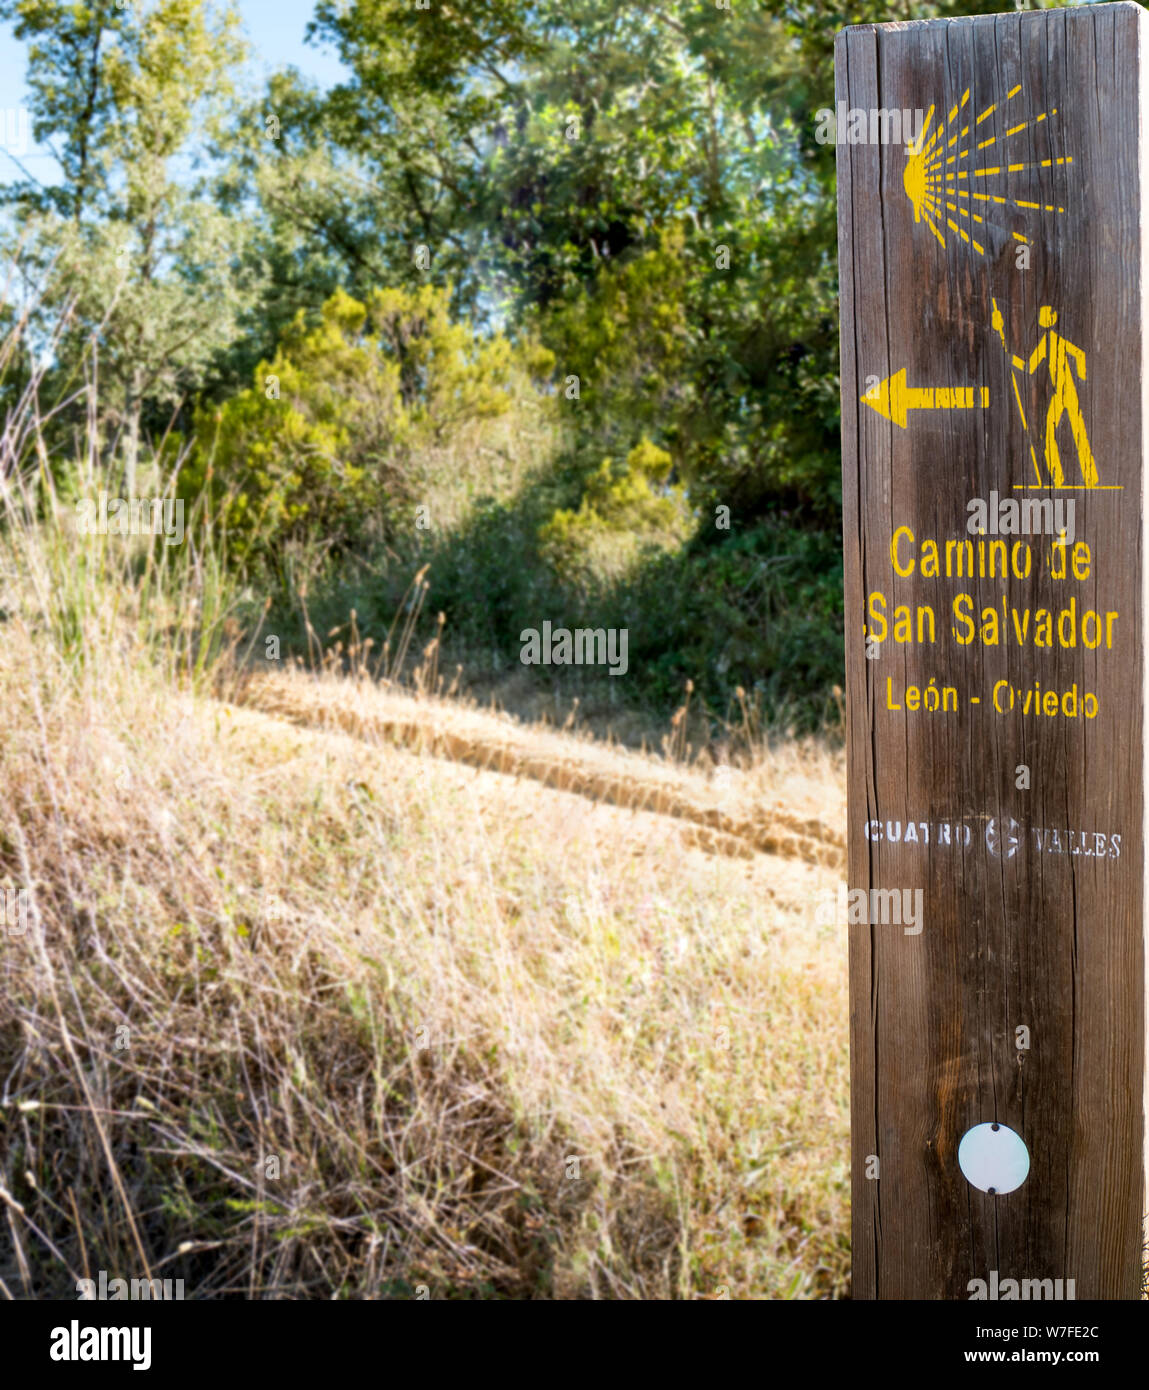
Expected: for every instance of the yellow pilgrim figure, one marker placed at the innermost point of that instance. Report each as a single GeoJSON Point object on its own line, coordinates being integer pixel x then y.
{"type": "Point", "coordinates": [1057, 353]}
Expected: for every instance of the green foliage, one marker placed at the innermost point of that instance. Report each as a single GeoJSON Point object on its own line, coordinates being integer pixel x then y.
{"type": "Point", "coordinates": [329, 437]}
{"type": "Point", "coordinates": [627, 339]}
{"type": "Point", "coordinates": [639, 189]}
{"type": "Point", "coordinates": [643, 188]}
{"type": "Point", "coordinates": [656, 181]}
{"type": "Point", "coordinates": [761, 610]}
{"type": "Point", "coordinates": [141, 257]}
{"type": "Point", "coordinates": [624, 515]}
{"type": "Point", "coordinates": [428, 94]}
{"type": "Point", "coordinates": [675, 340]}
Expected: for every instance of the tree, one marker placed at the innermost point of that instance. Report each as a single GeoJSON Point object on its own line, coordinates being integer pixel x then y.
{"type": "Point", "coordinates": [333, 432]}
{"type": "Point", "coordinates": [126, 96]}
{"type": "Point", "coordinates": [631, 181]}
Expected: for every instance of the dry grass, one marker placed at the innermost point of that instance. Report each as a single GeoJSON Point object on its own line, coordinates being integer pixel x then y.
{"type": "Point", "coordinates": [790, 802]}
{"type": "Point", "coordinates": [336, 992]}
{"type": "Point", "coordinates": [422, 988]}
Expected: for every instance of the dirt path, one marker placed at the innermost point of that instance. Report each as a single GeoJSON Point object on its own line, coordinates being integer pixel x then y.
{"type": "Point", "coordinates": [735, 816]}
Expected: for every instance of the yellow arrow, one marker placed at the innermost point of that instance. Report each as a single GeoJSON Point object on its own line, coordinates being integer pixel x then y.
{"type": "Point", "coordinates": [893, 399]}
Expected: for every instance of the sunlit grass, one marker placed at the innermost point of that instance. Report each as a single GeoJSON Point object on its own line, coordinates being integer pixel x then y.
{"type": "Point", "coordinates": [309, 1010]}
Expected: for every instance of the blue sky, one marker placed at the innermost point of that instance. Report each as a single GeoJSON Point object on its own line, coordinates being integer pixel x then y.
{"type": "Point", "coordinates": [274, 31]}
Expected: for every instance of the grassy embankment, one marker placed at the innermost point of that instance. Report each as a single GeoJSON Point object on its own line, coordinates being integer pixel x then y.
{"type": "Point", "coordinates": [314, 1001]}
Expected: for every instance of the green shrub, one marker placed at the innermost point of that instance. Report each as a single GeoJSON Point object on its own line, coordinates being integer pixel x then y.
{"type": "Point", "coordinates": [627, 340]}
{"type": "Point", "coordinates": [326, 442]}
{"type": "Point", "coordinates": [623, 515]}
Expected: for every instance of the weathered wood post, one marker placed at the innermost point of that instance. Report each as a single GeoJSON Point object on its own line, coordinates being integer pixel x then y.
{"type": "Point", "coordinates": [993, 265]}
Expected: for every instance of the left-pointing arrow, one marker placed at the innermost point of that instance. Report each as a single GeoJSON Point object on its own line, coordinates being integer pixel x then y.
{"type": "Point", "coordinates": [893, 399]}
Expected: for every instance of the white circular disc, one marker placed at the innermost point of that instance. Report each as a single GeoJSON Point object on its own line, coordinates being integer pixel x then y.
{"type": "Point", "coordinates": [993, 1158]}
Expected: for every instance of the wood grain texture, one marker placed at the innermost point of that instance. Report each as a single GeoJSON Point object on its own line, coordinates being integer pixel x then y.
{"type": "Point", "coordinates": [1022, 928]}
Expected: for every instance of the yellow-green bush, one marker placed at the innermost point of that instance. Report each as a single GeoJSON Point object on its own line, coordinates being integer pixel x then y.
{"type": "Point", "coordinates": [330, 430]}
{"type": "Point", "coordinates": [627, 340]}
{"type": "Point", "coordinates": [622, 513]}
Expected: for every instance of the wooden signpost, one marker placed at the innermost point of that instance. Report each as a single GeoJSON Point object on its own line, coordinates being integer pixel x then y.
{"type": "Point", "coordinates": [993, 269]}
